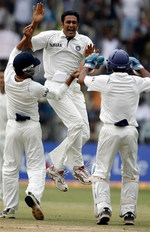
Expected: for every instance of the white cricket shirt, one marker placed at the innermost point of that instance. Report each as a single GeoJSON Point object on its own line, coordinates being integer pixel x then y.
{"type": "Point", "coordinates": [59, 54]}
{"type": "Point", "coordinates": [120, 95]}
{"type": "Point", "coordinates": [22, 97]}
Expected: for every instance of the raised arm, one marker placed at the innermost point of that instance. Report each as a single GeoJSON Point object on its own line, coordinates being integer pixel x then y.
{"type": "Point", "coordinates": [83, 74]}
{"type": "Point", "coordinates": [144, 73]}
{"type": "Point", "coordinates": [138, 68]}
{"type": "Point", "coordinates": [27, 34]}
{"type": "Point", "coordinates": [92, 62]}
{"type": "Point", "coordinates": [38, 14]}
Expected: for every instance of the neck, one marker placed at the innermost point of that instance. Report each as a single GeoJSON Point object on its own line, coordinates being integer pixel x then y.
{"type": "Point", "coordinates": [69, 38]}
{"type": "Point", "coordinates": [19, 79]}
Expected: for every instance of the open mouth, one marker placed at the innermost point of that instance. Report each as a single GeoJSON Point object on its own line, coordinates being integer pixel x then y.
{"type": "Point", "coordinates": [70, 32]}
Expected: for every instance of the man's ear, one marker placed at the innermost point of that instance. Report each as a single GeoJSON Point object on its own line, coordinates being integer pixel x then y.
{"type": "Point", "coordinates": [62, 25]}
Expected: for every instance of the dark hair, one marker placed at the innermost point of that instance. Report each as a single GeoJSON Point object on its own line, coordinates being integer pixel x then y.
{"type": "Point", "coordinates": [120, 70]}
{"type": "Point", "coordinates": [69, 12]}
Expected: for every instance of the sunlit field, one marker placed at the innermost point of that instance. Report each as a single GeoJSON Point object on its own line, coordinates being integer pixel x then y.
{"type": "Point", "coordinates": [73, 211]}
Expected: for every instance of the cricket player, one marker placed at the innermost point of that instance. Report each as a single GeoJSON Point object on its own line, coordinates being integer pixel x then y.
{"type": "Point", "coordinates": [3, 121]}
{"type": "Point", "coordinates": [120, 94]}
{"type": "Point", "coordinates": [23, 130]}
{"type": "Point", "coordinates": [63, 51]}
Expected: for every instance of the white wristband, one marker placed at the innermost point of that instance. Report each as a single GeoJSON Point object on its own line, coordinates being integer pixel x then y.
{"type": "Point", "coordinates": [87, 65]}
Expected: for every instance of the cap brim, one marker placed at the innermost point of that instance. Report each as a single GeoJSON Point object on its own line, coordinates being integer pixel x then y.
{"type": "Point", "coordinates": [36, 61]}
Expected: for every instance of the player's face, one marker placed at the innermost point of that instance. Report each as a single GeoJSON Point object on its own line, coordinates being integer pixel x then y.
{"type": "Point", "coordinates": [70, 26]}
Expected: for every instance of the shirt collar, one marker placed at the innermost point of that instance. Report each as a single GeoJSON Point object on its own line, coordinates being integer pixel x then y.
{"type": "Point", "coordinates": [121, 74]}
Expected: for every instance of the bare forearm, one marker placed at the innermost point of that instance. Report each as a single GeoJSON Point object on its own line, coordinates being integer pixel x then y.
{"type": "Point", "coordinates": [22, 44]}
{"type": "Point", "coordinates": [69, 80]}
{"type": "Point", "coordinates": [82, 75]}
{"type": "Point", "coordinates": [73, 75]}
{"type": "Point", "coordinates": [28, 43]}
{"type": "Point", "coordinates": [144, 73]}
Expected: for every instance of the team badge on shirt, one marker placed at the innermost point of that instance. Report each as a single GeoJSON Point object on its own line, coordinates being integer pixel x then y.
{"type": "Point", "coordinates": [78, 48]}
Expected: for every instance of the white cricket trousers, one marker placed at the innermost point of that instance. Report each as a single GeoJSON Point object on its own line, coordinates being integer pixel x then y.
{"type": "Point", "coordinates": [113, 139]}
{"type": "Point", "coordinates": [2, 141]}
{"type": "Point", "coordinates": [71, 109]}
{"type": "Point", "coordinates": [23, 136]}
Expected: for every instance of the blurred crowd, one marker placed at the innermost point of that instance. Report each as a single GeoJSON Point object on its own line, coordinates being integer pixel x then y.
{"type": "Point", "coordinates": [110, 24]}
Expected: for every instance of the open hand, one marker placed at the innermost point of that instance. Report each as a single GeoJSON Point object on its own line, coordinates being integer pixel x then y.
{"type": "Point", "coordinates": [38, 12]}
{"type": "Point", "coordinates": [90, 49]}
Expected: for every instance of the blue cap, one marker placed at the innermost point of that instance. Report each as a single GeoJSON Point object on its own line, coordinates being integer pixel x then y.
{"type": "Point", "coordinates": [119, 59]}
{"type": "Point", "coordinates": [23, 60]}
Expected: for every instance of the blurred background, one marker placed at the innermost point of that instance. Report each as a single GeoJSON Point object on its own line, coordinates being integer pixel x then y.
{"type": "Point", "coordinates": [110, 24]}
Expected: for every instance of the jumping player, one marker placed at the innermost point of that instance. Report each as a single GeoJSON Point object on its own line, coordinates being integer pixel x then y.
{"type": "Point", "coordinates": [63, 51]}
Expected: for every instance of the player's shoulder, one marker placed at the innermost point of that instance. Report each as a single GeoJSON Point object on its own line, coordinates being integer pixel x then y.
{"type": "Point", "coordinates": [139, 80]}
{"type": "Point", "coordinates": [49, 33]}
{"type": "Point", "coordinates": [83, 37]}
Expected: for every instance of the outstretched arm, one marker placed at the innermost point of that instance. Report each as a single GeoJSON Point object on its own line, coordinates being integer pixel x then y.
{"type": "Point", "coordinates": [38, 14]}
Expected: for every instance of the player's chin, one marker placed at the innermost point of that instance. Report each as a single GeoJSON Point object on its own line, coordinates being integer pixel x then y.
{"type": "Point", "coordinates": [71, 34]}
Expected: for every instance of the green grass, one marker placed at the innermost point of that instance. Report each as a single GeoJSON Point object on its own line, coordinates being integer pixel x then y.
{"type": "Point", "coordinates": [75, 208]}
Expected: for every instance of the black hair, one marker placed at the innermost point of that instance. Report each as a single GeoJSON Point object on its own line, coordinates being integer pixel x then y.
{"type": "Point", "coordinates": [120, 69]}
{"type": "Point", "coordinates": [69, 12]}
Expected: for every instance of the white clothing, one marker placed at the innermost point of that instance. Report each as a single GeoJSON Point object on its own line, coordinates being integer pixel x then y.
{"type": "Point", "coordinates": [113, 139]}
{"type": "Point", "coordinates": [22, 98]}
{"type": "Point", "coordinates": [59, 55]}
{"type": "Point", "coordinates": [72, 111]}
{"type": "Point", "coordinates": [22, 136]}
{"type": "Point", "coordinates": [29, 90]}
{"type": "Point", "coordinates": [120, 95]}
{"type": "Point", "coordinates": [3, 121]}
{"type": "Point", "coordinates": [119, 100]}
{"type": "Point", "coordinates": [3, 116]}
